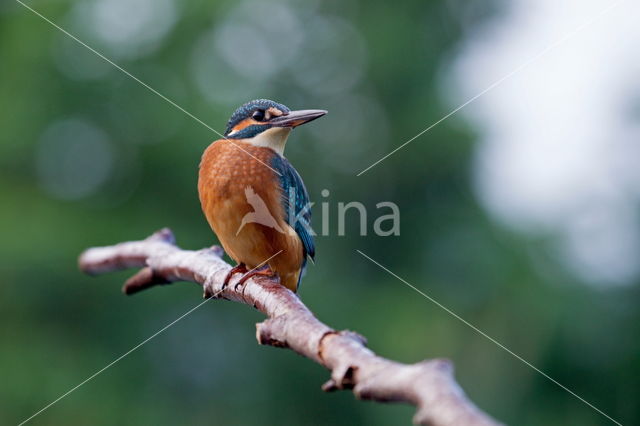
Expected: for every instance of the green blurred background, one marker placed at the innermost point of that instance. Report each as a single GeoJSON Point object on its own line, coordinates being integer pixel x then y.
{"type": "Point", "coordinates": [90, 157]}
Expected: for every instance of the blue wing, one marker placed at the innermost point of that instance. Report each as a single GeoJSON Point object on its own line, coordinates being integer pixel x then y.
{"type": "Point", "coordinates": [295, 201]}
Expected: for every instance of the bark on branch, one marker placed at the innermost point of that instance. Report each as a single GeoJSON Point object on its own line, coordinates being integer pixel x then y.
{"type": "Point", "coordinates": [429, 384]}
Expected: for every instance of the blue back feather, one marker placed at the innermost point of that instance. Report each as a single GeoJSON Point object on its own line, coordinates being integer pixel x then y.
{"type": "Point", "coordinates": [291, 184]}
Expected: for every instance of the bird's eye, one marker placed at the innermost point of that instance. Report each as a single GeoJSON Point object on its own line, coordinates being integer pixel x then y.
{"type": "Point", "coordinates": [258, 115]}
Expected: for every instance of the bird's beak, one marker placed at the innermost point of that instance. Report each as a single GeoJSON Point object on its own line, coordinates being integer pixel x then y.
{"type": "Point", "coordinates": [297, 118]}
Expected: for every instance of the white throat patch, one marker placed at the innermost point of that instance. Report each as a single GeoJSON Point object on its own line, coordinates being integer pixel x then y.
{"type": "Point", "coordinates": [274, 138]}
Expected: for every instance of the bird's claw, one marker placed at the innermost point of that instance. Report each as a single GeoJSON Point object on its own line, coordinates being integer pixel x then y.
{"type": "Point", "coordinates": [264, 271]}
{"type": "Point", "coordinates": [207, 293]}
{"type": "Point", "coordinates": [240, 267]}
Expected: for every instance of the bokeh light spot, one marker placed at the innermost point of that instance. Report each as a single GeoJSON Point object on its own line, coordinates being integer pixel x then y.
{"type": "Point", "coordinates": [73, 159]}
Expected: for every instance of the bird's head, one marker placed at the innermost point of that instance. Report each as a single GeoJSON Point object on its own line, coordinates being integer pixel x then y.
{"type": "Point", "coordinates": [267, 123]}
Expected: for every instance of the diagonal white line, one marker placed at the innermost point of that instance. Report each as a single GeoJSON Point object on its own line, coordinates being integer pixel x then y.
{"type": "Point", "coordinates": [476, 329]}
{"type": "Point", "coordinates": [495, 84]}
{"type": "Point", "coordinates": [263, 263]}
{"type": "Point", "coordinates": [115, 361]}
{"type": "Point", "coordinates": [76, 39]}
{"type": "Point", "coordinates": [97, 373]}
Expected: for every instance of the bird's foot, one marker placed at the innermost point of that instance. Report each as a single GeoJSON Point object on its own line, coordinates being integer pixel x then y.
{"type": "Point", "coordinates": [240, 267]}
{"type": "Point", "coordinates": [264, 271]}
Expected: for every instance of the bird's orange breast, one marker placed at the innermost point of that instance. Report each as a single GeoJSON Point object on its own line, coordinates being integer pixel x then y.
{"type": "Point", "coordinates": [242, 200]}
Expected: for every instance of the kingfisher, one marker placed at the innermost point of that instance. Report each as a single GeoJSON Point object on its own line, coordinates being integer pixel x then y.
{"type": "Point", "coordinates": [253, 198]}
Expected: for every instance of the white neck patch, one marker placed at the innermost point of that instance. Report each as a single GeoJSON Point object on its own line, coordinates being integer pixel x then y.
{"type": "Point", "coordinates": [274, 138]}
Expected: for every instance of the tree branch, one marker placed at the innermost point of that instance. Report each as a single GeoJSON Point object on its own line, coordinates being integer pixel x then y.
{"type": "Point", "coordinates": [429, 385]}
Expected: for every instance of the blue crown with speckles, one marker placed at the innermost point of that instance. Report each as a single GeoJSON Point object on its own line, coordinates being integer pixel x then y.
{"type": "Point", "coordinates": [247, 109]}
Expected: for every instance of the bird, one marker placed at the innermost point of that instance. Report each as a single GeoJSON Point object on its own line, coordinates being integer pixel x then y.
{"type": "Point", "coordinates": [261, 213]}
{"type": "Point", "coordinates": [254, 199]}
